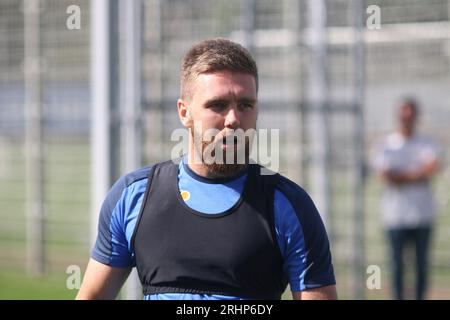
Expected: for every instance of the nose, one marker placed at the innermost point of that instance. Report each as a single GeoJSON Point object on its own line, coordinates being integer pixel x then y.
{"type": "Point", "coordinates": [232, 118]}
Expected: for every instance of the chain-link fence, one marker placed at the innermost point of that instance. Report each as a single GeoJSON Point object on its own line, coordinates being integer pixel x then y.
{"type": "Point", "coordinates": [64, 66]}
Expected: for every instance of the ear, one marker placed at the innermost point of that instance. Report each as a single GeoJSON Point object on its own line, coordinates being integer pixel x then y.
{"type": "Point", "coordinates": [184, 114]}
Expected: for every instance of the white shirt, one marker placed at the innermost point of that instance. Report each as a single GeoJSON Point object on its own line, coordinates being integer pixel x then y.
{"type": "Point", "coordinates": [407, 205]}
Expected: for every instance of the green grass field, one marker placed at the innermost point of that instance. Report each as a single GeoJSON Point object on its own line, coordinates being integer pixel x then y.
{"type": "Point", "coordinates": [67, 206]}
{"type": "Point", "coordinates": [15, 284]}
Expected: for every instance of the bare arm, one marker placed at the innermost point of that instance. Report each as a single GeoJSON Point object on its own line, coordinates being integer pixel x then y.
{"type": "Point", "coordinates": [422, 174]}
{"type": "Point", "coordinates": [102, 282]}
{"type": "Point", "coordinates": [323, 293]}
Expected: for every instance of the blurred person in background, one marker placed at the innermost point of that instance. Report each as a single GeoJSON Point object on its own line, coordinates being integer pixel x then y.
{"type": "Point", "coordinates": [407, 161]}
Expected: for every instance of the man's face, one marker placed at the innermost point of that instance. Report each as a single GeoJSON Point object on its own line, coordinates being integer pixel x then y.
{"type": "Point", "coordinates": [407, 119]}
{"type": "Point", "coordinates": [224, 101]}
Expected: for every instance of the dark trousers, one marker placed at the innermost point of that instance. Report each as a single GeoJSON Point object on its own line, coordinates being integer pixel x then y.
{"type": "Point", "coordinates": [420, 238]}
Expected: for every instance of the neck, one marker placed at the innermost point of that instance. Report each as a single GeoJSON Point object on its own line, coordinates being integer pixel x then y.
{"type": "Point", "coordinates": [196, 164]}
{"type": "Point", "coordinates": [407, 133]}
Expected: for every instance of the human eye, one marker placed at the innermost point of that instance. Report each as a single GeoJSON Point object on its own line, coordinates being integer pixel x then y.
{"type": "Point", "coordinates": [246, 104]}
{"type": "Point", "coordinates": [217, 105]}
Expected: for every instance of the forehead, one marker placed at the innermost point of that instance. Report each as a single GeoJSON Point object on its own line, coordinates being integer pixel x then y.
{"type": "Point", "coordinates": [223, 84]}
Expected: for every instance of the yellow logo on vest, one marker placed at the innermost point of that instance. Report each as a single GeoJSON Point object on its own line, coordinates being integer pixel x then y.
{"type": "Point", "coordinates": [185, 195]}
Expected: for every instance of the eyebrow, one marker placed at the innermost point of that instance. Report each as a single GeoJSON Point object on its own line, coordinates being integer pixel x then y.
{"type": "Point", "coordinates": [247, 100]}
{"type": "Point", "coordinates": [226, 100]}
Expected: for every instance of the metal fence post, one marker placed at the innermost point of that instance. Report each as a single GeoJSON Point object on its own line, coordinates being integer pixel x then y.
{"type": "Point", "coordinates": [131, 80]}
{"type": "Point", "coordinates": [357, 221]}
{"type": "Point", "coordinates": [34, 139]}
{"type": "Point", "coordinates": [318, 100]}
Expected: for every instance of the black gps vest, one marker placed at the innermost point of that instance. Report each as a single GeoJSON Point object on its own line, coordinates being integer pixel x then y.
{"type": "Point", "coordinates": [234, 253]}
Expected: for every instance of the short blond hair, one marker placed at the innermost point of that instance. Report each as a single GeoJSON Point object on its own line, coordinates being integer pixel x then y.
{"type": "Point", "coordinates": [215, 55]}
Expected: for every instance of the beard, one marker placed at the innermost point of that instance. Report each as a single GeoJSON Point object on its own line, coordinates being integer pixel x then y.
{"type": "Point", "coordinates": [226, 162]}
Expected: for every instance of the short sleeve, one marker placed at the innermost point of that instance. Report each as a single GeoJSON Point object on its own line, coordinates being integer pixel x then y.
{"type": "Point", "coordinates": [118, 219]}
{"type": "Point", "coordinates": [302, 238]}
{"type": "Point", "coordinates": [111, 246]}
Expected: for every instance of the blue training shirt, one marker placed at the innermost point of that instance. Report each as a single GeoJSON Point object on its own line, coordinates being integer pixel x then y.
{"type": "Point", "coordinates": [299, 229]}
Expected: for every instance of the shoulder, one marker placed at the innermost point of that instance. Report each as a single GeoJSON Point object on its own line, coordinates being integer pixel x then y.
{"type": "Point", "coordinates": [425, 140]}
{"type": "Point", "coordinates": [119, 206]}
{"type": "Point", "coordinates": [294, 203]}
{"type": "Point", "coordinates": [388, 141]}
{"type": "Point", "coordinates": [127, 185]}
{"type": "Point", "coordinates": [284, 185]}
{"type": "Point", "coordinates": [135, 176]}
{"type": "Point", "coordinates": [295, 194]}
